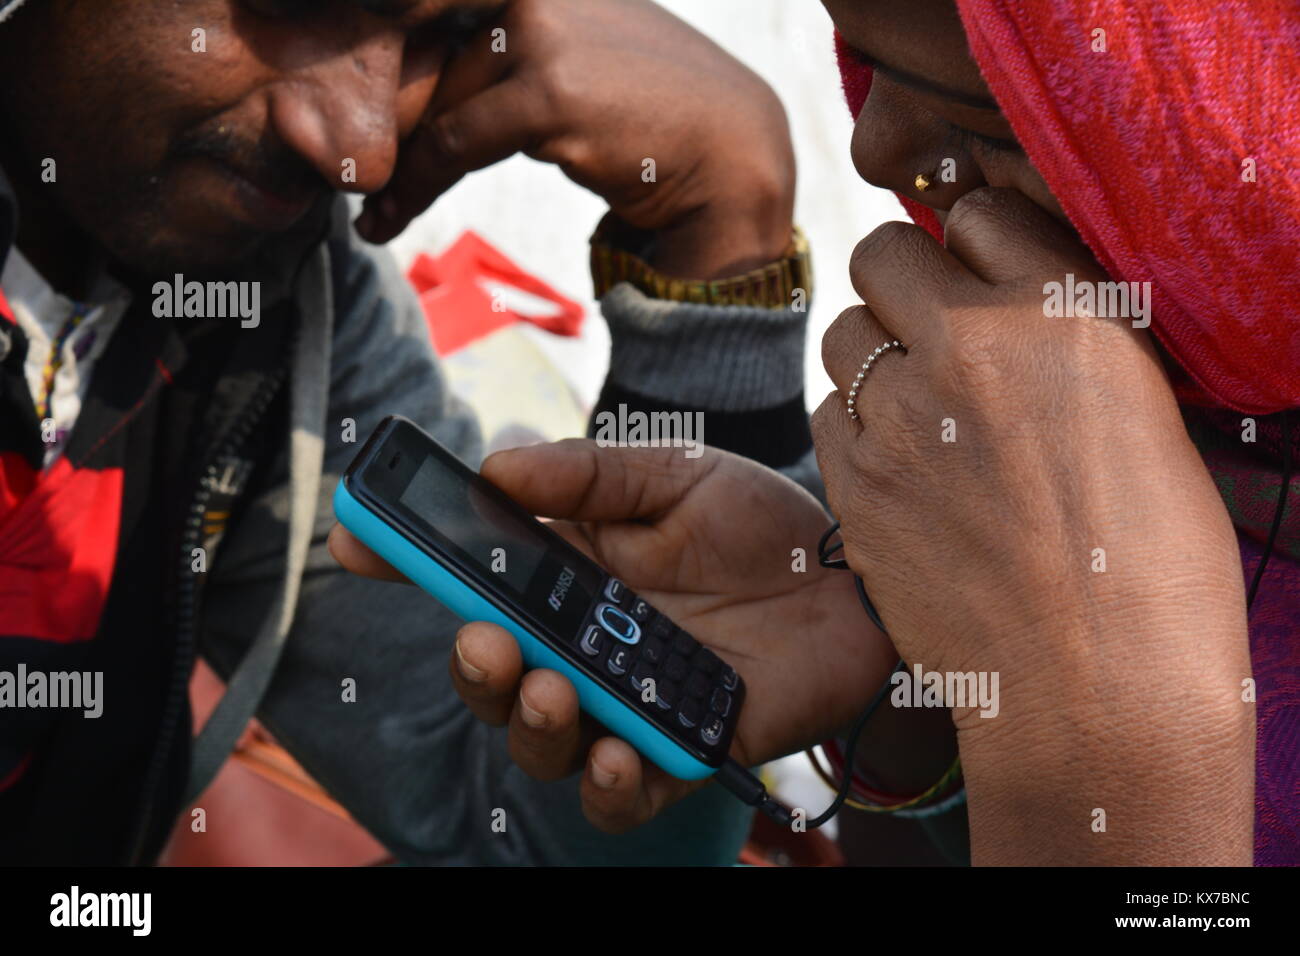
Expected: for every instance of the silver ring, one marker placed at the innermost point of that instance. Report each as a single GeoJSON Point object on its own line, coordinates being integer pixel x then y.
{"type": "Point", "coordinates": [862, 373]}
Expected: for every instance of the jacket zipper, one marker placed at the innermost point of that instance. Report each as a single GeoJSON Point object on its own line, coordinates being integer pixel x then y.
{"type": "Point", "coordinates": [187, 605]}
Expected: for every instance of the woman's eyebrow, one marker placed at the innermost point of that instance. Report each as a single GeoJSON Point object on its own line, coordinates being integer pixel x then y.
{"type": "Point", "coordinates": [903, 78]}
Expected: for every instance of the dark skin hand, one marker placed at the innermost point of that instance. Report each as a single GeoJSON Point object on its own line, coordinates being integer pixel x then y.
{"type": "Point", "coordinates": [1068, 439]}
{"type": "Point", "coordinates": [709, 542]}
{"type": "Point", "coordinates": [396, 99]}
{"type": "Point", "coordinates": [582, 85]}
{"type": "Point", "coordinates": [1119, 690]}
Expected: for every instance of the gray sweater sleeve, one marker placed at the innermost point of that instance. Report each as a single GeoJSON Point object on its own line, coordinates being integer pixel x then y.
{"type": "Point", "coordinates": [741, 367]}
{"type": "Point", "coordinates": [406, 758]}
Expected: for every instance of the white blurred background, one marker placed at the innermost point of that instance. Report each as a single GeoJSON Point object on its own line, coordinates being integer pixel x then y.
{"type": "Point", "coordinates": [533, 214]}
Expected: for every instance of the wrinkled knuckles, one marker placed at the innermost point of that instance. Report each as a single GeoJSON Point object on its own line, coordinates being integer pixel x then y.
{"type": "Point", "coordinates": [888, 240]}
{"type": "Point", "coordinates": [983, 206]}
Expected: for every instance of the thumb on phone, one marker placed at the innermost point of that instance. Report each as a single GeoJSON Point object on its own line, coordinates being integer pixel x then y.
{"type": "Point", "coordinates": [578, 480]}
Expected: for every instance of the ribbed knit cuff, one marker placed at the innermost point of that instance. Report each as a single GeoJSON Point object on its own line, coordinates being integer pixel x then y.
{"type": "Point", "coordinates": [722, 358]}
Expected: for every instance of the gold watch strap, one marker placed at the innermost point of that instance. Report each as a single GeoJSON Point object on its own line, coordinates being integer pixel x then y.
{"type": "Point", "coordinates": [778, 285]}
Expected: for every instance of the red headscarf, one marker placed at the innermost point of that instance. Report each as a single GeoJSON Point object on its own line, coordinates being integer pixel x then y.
{"type": "Point", "coordinates": [1145, 146]}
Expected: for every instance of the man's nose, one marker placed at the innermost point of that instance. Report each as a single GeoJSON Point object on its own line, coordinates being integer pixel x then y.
{"type": "Point", "coordinates": [340, 113]}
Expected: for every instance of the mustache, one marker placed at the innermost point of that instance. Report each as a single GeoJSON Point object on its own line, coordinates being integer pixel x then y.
{"type": "Point", "coordinates": [273, 167]}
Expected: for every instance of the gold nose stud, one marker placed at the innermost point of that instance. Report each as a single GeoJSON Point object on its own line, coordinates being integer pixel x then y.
{"type": "Point", "coordinates": [923, 182]}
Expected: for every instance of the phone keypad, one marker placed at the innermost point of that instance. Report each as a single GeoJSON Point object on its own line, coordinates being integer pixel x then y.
{"type": "Point", "coordinates": [690, 713]}
{"type": "Point", "coordinates": [618, 623]}
{"type": "Point", "coordinates": [593, 642]}
{"type": "Point", "coordinates": [713, 730]}
{"type": "Point", "coordinates": [653, 650]}
{"type": "Point", "coordinates": [681, 686]}
{"type": "Point", "coordinates": [620, 659]}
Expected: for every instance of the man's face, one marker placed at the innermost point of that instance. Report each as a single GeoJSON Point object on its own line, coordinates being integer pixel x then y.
{"type": "Point", "coordinates": [186, 151]}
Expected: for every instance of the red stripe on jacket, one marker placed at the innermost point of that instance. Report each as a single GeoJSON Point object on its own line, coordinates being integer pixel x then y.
{"type": "Point", "coordinates": [58, 547]}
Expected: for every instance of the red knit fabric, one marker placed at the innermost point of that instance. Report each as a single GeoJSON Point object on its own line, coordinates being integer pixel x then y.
{"type": "Point", "coordinates": [1143, 147]}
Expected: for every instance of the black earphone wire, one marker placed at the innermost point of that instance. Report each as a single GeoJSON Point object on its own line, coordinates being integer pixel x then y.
{"type": "Point", "coordinates": [748, 788]}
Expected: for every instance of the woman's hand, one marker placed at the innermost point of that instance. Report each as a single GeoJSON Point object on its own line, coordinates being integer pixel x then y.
{"type": "Point", "coordinates": [1020, 496]}
{"type": "Point", "coordinates": [674, 133]}
{"type": "Point", "coordinates": [712, 543]}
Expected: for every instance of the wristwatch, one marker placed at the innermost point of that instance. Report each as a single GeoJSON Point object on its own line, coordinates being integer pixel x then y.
{"type": "Point", "coordinates": [617, 252]}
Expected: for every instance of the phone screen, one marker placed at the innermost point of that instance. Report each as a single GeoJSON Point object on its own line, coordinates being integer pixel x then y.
{"type": "Point", "coordinates": [487, 535]}
{"type": "Point", "coordinates": [481, 527]}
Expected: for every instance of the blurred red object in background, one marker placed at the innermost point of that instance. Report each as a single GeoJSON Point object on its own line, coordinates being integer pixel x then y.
{"type": "Point", "coordinates": [459, 309]}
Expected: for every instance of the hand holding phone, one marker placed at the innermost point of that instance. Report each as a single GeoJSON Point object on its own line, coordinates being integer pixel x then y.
{"type": "Point", "coordinates": [711, 541]}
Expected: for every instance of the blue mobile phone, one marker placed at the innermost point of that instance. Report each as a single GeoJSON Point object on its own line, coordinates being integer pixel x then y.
{"type": "Point", "coordinates": [465, 542]}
